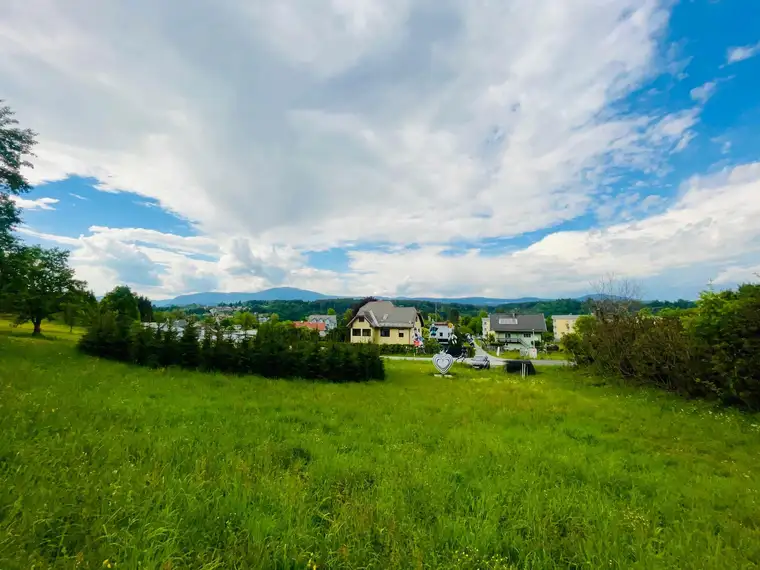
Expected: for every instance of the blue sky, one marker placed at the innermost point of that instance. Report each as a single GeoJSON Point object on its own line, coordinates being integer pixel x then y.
{"type": "Point", "coordinates": [404, 147]}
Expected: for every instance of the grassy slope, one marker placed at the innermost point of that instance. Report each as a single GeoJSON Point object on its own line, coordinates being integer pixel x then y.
{"type": "Point", "coordinates": [170, 469]}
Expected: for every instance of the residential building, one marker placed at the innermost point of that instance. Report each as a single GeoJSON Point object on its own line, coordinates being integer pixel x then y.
{"type": "Point", "coordinates": [330, 321]}
{"type": "Point", "coordinates": [382, 322]}
{"type": "Point", "coordinates": [517, 331]}
{"type": "Point", "coordinates": [486, 326]}
{"type": "Point", "coordinates": [320, 327]}
{"type": "Point", "coordinates": [563, 324]}
{"type": "Point", "coordinates": [441, 331]}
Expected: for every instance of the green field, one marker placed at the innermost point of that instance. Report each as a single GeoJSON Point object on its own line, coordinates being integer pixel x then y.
{"type": "Point", "coordinates": [104, 465]}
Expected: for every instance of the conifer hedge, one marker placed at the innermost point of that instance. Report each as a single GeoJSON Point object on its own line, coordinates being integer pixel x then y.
{"type": "Point", "coordinates": [277, 351]}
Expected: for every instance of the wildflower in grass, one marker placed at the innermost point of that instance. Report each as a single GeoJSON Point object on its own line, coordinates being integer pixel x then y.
{"type": "Point", "coordinates": [107, 563]}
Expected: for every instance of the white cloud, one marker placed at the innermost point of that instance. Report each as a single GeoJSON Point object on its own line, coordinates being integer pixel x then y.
{"type": "Point", "coordinates": [77, 196]}
{"type": "Point", "coordinates": [511, 108]}
{"type": "Point", "coordinates": [737, 274]}
{"type": "Point", "coordinates": [736, 54]}
{"type": "Point", "coordinates": [282, 127]}
{"type": "Point", "coordinates": [703, 93]}
{"type": "Point", "coordinates": [38, 204]}
{"type": "Point", "coordinates": [709, 231]}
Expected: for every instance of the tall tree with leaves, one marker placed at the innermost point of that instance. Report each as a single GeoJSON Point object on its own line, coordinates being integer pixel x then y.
{"type": "Point", "coordinates": [145, 307]}
{"type": "Point", "coordinates": [123, 302]}
{"type": "Point", "coordinates": [15, 148]}
{"type": "Point", "coordinates": [42, 285]}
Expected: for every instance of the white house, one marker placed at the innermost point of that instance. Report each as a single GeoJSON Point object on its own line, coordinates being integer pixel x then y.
{"type": "Point", "coordinates": [517, 331]}
{"type": "Point", "coordinates": [441, 332]}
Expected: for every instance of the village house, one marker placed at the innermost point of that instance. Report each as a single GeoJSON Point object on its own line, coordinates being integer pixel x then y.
{"type": "Point", "coordinates": [330, 321]}
{"type": "Point", "coordinates": [441, 332]}
{"type": "Point", "coordinates": [515, 331]}
{"type": "Point", "coordinates": [382, 322]}
{"type": "Point", "coordinates": [563, 324]}
{"type": "Point", "coordinates": [319, 327]}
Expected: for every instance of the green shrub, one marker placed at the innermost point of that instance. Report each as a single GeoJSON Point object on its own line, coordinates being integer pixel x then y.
{"type": "Point", "coordinates": [710, 351]}
{"type": "Point", "coordinates": [278, 351]}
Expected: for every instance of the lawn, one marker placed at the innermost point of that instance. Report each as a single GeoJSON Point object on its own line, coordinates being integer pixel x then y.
{"type": "Point", "coordinates": [515, 355]}
{"type": "Point", "coordinates": [105, 465]}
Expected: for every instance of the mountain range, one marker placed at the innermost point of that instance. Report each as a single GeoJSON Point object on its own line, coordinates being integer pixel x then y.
{"type": "Point", "coordinates": [294, 294]}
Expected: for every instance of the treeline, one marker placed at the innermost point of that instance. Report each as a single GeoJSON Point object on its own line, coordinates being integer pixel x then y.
{"type": "Point", "coordinates": [297, 310]}
{"type": "Point", "coordinates": [709, 351]}
{"type": "Point", "coordinates": [277, 351]}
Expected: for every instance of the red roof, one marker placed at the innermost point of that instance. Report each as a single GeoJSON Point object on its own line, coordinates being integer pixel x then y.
{"type": "Point", "coordinates": [313, 326]}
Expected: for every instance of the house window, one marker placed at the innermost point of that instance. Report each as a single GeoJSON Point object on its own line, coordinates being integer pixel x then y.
{"type": "Point", "coordinates": [527, 335]}
{"type": "Point", "coordinates": [366, 332]}
{"type": "Point", "coordinates": [401, 334]}
{"type": "Point", "coordinates": [357, 332]}
{"type": "Point", "coordinates": [385, 332]}
{"type": "Point", "coordinates": [360, 319]}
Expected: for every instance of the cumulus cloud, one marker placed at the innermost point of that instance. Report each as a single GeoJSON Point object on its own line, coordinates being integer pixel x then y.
{"type": "Point", "coordinates": [736, 54]}
{"type": "Point", "coordinates": [281, 127]}
{"type": "Point", "coordinates": [346, 141]}
{"type": "Point", "coordinates": [703, 93]}
{"type": "Point", "coordinates": [38, 204]}
{"type": "Point", "coordinates": [709, 231]}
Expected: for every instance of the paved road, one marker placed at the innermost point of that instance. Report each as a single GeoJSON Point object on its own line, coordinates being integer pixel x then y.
{"type": "Point", "coordinates": [495, 362]}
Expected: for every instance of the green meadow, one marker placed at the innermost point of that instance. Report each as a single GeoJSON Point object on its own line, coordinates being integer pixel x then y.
{"type": "Point", "coordinates": [105, 465]}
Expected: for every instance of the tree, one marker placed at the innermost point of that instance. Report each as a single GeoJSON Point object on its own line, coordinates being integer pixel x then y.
{"type": "Point", "coordinates": [454, 316]}
{"type": "Point", "coordinates": [43, 284]}
{"type": "Point", "coordinates": [15, 146]}
{"type": "Point", "coordinates": [615, 297]}
{"type": "Point", "coordinates": [145, 307]}
{"type": "Point", "coordinates": [248, 321]}
{"type": "Point", "coordinates": [123, 302]}
{"type": "Point", "coordinates": [331, 311]}
{"type": "Point", "coordinates": [78, 308]}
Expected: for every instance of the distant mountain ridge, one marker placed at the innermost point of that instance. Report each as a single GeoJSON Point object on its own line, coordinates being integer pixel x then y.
{"type": "Point", "coordinates": [212, 298]}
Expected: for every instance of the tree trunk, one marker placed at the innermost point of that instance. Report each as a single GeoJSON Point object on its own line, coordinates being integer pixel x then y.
{"type": "Point", "coordinates": [37, 327]}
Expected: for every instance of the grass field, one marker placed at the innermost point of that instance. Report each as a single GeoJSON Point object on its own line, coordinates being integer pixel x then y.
{"type": "Point", "coordinates": [104, 465]}
{"type": "Point", "coordinates": [515, 355]}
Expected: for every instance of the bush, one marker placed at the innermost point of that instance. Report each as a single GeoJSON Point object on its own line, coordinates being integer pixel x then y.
{"type": "Point", "coordinates": [277, 351]}
{"type": "Point", "coordinates": [711, 351]}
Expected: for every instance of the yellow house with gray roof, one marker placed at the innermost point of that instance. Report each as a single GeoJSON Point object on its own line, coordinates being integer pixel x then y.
{"type": "Point", "coordinates": [381, 322]}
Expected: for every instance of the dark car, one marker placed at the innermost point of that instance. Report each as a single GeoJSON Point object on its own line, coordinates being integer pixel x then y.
{"type": "Point", "coordinates": [481, 362]}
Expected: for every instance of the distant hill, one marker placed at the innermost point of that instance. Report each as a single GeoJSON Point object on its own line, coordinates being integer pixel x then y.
{"type": "Point", "coordinates": [213, 298]}
{"type": "Point", "coordinates": [294, 294]}
{"type": "Point", "coordinates": [480, 301]}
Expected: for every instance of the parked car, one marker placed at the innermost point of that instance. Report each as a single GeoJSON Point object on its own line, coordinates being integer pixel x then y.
{"type": "Point", "coordinates": [481, 362]}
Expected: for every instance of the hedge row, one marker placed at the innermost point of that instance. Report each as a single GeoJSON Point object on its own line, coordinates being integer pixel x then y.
{"type": "Point", "coordinates": [430, 347]}
{"type": "Point", "coordinates": [272, 353]}
{"type": "Point", "coordinates": [712, 351]}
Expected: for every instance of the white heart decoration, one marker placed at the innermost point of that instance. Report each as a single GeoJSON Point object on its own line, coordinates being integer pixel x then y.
{"type": "Point", "coordinates": [443, 362]}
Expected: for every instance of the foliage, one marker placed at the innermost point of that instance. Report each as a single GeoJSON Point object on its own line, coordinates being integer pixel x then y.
{"type": "Point", "coordinates": [123, 302]}
{"type": "Point", "coordinates": [78, 309]}
{"type": "Point", "coordinates": [277, 351]}
{"type": "Point", "coordinates": [295, 310]}
{"type": "Point", "coordinates": [177, 469]}
{"type": "Point", "coordinates": [41, 285]}
{"type": "Point", "coordinates": [145, 308]}
{"type": "Point", "coordinates": [15, 148]}
{"type": "Point", "coordinates": [711, 351]}
{"type": "Point", "coordinates": [429, 348]}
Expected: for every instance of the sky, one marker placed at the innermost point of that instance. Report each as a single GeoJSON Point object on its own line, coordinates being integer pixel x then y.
{"type": "Point", "coordinates": [502, 148]}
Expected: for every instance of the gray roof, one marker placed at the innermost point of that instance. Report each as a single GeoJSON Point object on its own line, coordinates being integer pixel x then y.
{"type": "Point", "coordinates": [518, 323]}
{"type": "Point", "coordinates": [386, 314]}
{"type": "Point", "coordinates": [332, 318]}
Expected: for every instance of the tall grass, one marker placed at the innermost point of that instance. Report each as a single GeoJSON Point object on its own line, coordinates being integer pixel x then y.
{"type": "Point", "coordinates": [106, 464]}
